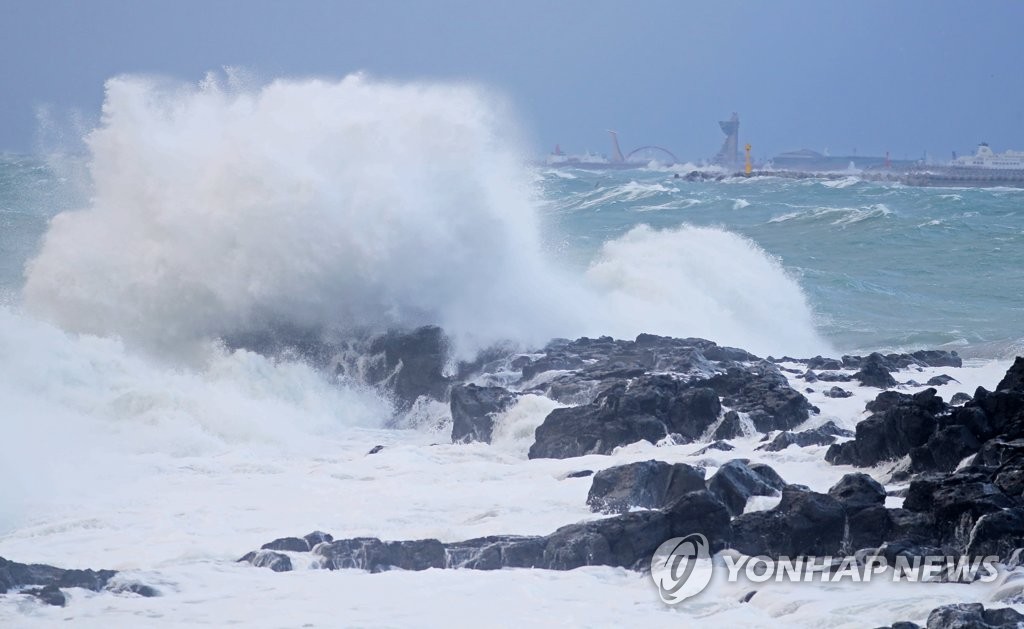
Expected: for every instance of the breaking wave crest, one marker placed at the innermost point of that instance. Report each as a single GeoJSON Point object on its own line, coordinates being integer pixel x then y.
{"type": "Point", "coordinates": [362, 205]}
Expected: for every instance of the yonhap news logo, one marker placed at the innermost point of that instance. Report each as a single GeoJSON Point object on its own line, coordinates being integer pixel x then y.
{"type": "Point", "coordinates": [674, 568]}
{"type": "Point", "coordinates": [682, 568]}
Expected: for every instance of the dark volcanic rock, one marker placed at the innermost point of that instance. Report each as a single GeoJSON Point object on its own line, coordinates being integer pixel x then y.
{"type": "Point", "coordinates": [873, 373]}
{"type": "Point", "coordinates": [373, 555]}
{"type": "Point", "coordinates": [821, 436]}
{"type": "Point", "coordinates": [804, 523]}
{"type": "Point", "coordinates": [734, 483]}
{"type": "Point", "coordinates": [764, 394]}
{"type": "Point", "coordinates": [50, 594]}
{"type": "Point", "coordinates": [14, 574]}
{"type": "Point", "coordinates": [998, 533]}
{"type": "Point", "coordinates": [292, 544]}
{"type": "Point", "coordinates": [495, 552]}
{"type": "Point", "coordinates": [941, 380]}
{"type": "Point", "coordinates": [133, 587]}
{"type": "Point", "coordinates": [410, 364]}
{"type": "Point", "coordinates": [268, 559]}
{"type": "Point", "coordinates": [944, 450]}
{"type": "Point", "coordinates": [629, 540]}
{"type": "Point", "coordinates": [1014, 378]}
{"type": "Point", "coordinates": [730, 428]}
{"type": "Point", "coordinates": [837, 392]}
{"type": "Point", "coordinates": [580, 474]}
{"type": "Point", "coordinates": [858, 491]}
{"type": "Point", "coordinates": [893, 362]}
{"type": "Point", "coordinates": [891, 434]}
{"type": "Point", "coordinates": [722, 446]}
{"type": "Point", "coordinates": [768, 475]}
{"type": "Point", "coordinates": [974, 616]}
{"type": "Point", "coordinates": [956, 502]}
{"type": "Point", "coordinates": [828, 364]}
{"type": "Point", "coordinates": [869, 527]}
{"type": "Point", "coordinates": [317, 537]}
{"type": "Point", "coordinates": [647, 484]}
{"type": "Point", "coordinates": [473, 409]}
{"type": "Point", "coordinates": [960, 398]}
{"type": "Point", "coordinates": [649, 408]}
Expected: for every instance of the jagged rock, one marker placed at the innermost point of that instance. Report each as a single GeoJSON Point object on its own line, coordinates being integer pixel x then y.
{"type": "Point", "coordinates": [317, 537]}
{"type": "Point", "coordinates": [473, 409]}
{"type": "Point", "coordinates": [722, 446]}
{"type": "Point", "coordinates": [869, 526]}
{"type": "Point", "coordinates": [804, 523]}
{"type": "Point", "coordinates": [268, 559]}
{"type": "Point", "coordinates": [809, 377]}
{"type": "Point", "coordinates": [730, 428]}
{"type": "Point", "coordinates": [827, 364]}
{"type": "Point", "coordinates": [909, 550]}
{"type": "Point", "coordinates": [893, 362]}
{"type": "Point", "coordinates": [647, 484]}
{"type": "Point", "coordinates": [999, 533]}
{"type": "Point", "coordinates": [956, 502]}
{"type": "Point", "coordinates": [914, 527]}
{"type": "Point", "coordinates": [886, 400]}
{"type": "Point", "coordinates": [834, 376]}
{"type": "Point", "coordinates": [292, 544]}
{"type": "Point", "coordinates": [50, 594]}
{"type": "Point", "coordinates": [630, 540]}
{"type": "Point", "coordinates": [580, 474]}
{"type": "Point", "coordinates": [959, 398]}
{"type": "Point", "coordinates": [937, 358]}
{"type": "Point", "coordinates": [974, 616]}
{"type": "Point", "coordinates": [734, 483]}
{"type": "Point", "coordinates": [837, 392]}
{"type": "Point", "coordinates": [1014, 378]}
{"type": "Point", "coordinates": [873, 373]}
{"type": "Point", "coordinates": [764, 394]}
{"type": "Point", "coordinates": [496, 552]}
{"type": "Point", "coordinates": [375, 449]}
{"type": "Point", "coordinates": [823, 435]}
{"type": "Point", "coordinates": [858, 491]}
{"type": "Point", "coordinates": [890, 434]}
{"type": "Point", "coordinates": [373, 555]}
{"type": "Point", "coordinates": [133, 587]}
{"type": "Point", "coordinates": [944, 450]}
{"type": "Point", "coordinates": [411, 364]}
{"type": "Point", "coordinates": [767, 474]}
{"type": "Point", "coordinates": [649, 408]}
{"type": "Point", "coordinates": [941, 380]}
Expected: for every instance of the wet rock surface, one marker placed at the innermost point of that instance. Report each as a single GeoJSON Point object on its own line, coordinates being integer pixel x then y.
{"type": "Point", "coordinates": [473, 410]}
{"type": "Point", "coordinates": [50, 581]}
{"type": "Point", "coordinates": [648, 485]}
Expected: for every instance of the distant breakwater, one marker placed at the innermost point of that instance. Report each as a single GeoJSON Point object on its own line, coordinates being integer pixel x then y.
{"type": "Point", "coordinates": [940, 177]}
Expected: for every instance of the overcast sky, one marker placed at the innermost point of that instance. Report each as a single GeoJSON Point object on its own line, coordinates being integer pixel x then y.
{"type": "Point", "coordinates": [908, 76]}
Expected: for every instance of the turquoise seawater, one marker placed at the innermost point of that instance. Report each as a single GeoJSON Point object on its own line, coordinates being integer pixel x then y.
{"type": "Point", "coordinates": [884, 266]}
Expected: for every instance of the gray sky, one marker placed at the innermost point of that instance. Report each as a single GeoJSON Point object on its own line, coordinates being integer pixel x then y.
{"type": "Point", "coordinates": [908, 76]}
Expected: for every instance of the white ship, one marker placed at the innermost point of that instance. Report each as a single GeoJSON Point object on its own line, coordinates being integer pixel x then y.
{"type": "Point", "coordinates": [984, 157]}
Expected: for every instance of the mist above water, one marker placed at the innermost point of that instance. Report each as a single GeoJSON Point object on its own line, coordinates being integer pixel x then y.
{"type": "Point", "coordinates": [363, 205]}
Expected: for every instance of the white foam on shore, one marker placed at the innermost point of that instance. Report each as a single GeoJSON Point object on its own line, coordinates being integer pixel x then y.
{"type": "Point", "coordinates": [179, 522]}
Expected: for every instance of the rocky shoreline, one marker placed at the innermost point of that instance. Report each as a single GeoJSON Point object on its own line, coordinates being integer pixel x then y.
{"type": "Point", "coordinates": [959, 466]}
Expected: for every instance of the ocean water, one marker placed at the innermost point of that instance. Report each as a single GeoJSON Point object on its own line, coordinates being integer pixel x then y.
{"type": "Point", "coordinates": [883, 266]}
{"type": "Point", "coordinates": [134, 440]}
